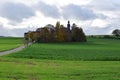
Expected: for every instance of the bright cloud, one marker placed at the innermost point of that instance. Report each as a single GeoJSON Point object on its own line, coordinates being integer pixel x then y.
{"type": "Point", "coordinates": [100, 23]}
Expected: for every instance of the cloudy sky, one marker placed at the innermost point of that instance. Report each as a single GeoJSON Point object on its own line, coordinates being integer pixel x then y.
{"type": "Point", "coordinates": [94, 16]}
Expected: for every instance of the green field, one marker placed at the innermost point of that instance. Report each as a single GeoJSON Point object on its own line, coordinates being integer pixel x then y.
{"type": "Point", "coordinates": [35, 69]}
{"type": "Point", "coordinates": [94, 49]}
{"type": "Point", "coordinates": [98, 59]}
{"type": "Point", "coordinates": [8, 43]}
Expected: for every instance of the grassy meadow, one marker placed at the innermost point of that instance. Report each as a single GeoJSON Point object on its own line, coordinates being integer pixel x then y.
{"type": "Point", "coordinates": [98, 59]}
{"type": "Point", "coordinates": [94, 49]}
{"type": "Point", "coordinates": [36, 69]}
{"type": "Point", "coordinates": [8, 43]}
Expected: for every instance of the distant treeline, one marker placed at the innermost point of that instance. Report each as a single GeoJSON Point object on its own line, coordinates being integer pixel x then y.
{"type": "Point", "coordinates": [57, 33]}
{"type": "Point", "coordinates": [104, 36]}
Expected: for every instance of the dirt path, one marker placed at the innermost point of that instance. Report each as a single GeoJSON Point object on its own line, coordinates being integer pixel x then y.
{"type": "Point", "coordinates": [13, 50]}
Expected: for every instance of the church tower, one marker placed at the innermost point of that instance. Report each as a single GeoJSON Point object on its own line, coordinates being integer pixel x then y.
{"type": "Point", "coordinates": [68, 26]}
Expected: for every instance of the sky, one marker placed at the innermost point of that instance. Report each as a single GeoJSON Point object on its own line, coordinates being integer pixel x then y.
{"type": "Point", "coordinates": [96, 17]}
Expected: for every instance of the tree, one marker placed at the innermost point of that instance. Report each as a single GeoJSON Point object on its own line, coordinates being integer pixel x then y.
{"type": "Point", "coordinates": [57, 26]}
{"type": "Point", "coordinates": [44, 35]}
{"type": "Point", "coordinates": [26, 36]}
{"type": "Point", "coordinates": [78, 35]}
{"type": "Point", "coordinates": [116, 32]}
{"type": "Point", "coordinates": [61, 34]}
{"type": "Point", "coordinates": [82, 35]}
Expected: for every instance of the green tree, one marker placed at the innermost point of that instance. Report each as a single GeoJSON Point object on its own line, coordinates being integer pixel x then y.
{"type": "Point", "coordinates": [116, 32]}
{"type": "Point", "coordinates": [78, 35]}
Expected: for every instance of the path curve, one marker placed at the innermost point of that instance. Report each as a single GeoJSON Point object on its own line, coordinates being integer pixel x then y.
{"type": "Point", "coordinates": [13, 50]}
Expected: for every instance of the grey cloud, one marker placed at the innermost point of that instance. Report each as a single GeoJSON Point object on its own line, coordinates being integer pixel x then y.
{"type": "Point", "coordinates": [101, 16]}
{"type": "Point", "coordinates": [3, 31]}
{"type": "Point", "coordinates": [99, 31]}
{"type": "Point", "coordinates": [48, 10]}
{"type": "Point", "coordinates": [16, 12]}
{"type": "Point", "coordinates": [106, 5]}
{"type": "Point", "coordinates": [77, 12]}
{"type": "Point", "coordinates": [19, 32]}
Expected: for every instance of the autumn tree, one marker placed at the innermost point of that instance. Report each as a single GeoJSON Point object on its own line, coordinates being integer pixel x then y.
{"type": "Point", "coordinates": [57, 26]}
{"type": "Point", "coordinates": [61, 34]}
{"type": "Point", "coordinates": [44, 35]}
{"type": "Point", "coordinates": [51, 34]}
{"type": "Point", "coordinates": [32, 36]}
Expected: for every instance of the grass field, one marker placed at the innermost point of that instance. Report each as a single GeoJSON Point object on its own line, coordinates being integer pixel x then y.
{"type": "Point", "coordinates": [94, 49]}
{"type": "Point", "coordinates": [64, 61]}
{"type": "Point", "coordinates": [35, 69]}
{"type": "Point", "coordinates": [9, 43]}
